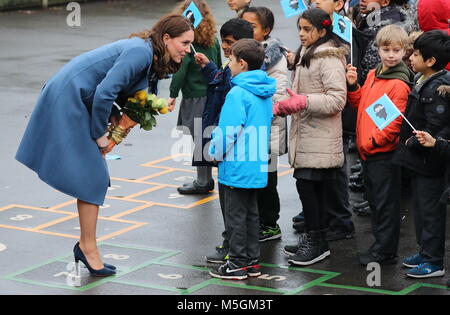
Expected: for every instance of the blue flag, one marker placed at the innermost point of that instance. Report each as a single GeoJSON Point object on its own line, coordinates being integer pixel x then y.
{"type": "Point", "coordinates": [383, 112]}
{"type": "Point", "coordinates": [292, 7]}
{"type": "Point", "coordinates": [342, 27]}
{"type": "Point", "coordinates": [192, 13]}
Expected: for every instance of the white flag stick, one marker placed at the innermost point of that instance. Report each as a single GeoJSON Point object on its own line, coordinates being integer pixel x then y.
{"type": "Point", "coordinates": [192, 46]}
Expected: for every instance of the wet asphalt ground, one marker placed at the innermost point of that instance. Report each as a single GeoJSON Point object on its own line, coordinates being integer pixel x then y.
{"type": "Point", "coordinates": [157, 238]}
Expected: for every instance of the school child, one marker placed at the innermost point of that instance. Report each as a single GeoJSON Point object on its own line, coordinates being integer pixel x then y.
{"type": "Point", "coordinates": [243, 164]}
{"type": "Point", "coordinates": [194, 89]}
{"type": "Point", "coordinates": [373, 15]}
{"type": "Point", "coordinates": [340, 224]}
{"type": "Point", "coordinates": [219, 84]}
{"type": "Point", "coordinates": [440, 147]}
{"type": "Point", "coordinates": [238, 5]}
{"type": "Point", "coordinates": [428, 110]}
{"type": "Point", "coordinates": [275, 65]}
{"type": "Point", "coordinates": [315, 139]}
{"type": "Point", "coordinates": [376, 147]}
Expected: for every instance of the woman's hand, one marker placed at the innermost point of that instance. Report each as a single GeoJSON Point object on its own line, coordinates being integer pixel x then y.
{"type": "Point", "coordinates": [171, 104]}
{"type": "Point", "coordinates": [351, 75]}
{"type": "Point", "coordinates": [425, 138]}
{"type": "Point", "coordinates": [103, 143]}
{"type": "Point", "coordinates": [114, 120]}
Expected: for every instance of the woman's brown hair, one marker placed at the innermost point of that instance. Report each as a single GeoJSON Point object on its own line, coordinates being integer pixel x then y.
{"type": "Point", "coordinates": [205, 33]}
{"type": "Point", "coordinates": [174, 25]}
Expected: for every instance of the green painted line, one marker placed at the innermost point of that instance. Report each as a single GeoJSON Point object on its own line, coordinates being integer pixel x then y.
{"type": "Point", "coordinates": [323, 272]}
{"type": "Point", "coordinates": [148, 286]}
{"type": "Point", "coordinates": [246, 286]}
{"type": "Point", "coordinates": [435, 286]}
{"type": "Point", "coordinates": [169, 264]}
{"type": "Point", "coordinates": [159, 250]}
{"type": "Point", "coordinates": [42, 284]}
{"type": "Point", "coordinates": [199, 286]}
{"type": "Point", "coordinates": [354, 288]}
{"type": "Point", "coordinates": [311, 284]}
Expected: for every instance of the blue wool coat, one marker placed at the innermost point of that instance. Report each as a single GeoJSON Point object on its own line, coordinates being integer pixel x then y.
{"type": "Point", "coordinates": [73, 110]}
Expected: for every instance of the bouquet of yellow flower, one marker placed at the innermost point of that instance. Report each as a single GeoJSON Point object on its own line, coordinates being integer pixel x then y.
{"type": "Point", "coordinates": [140, 109]}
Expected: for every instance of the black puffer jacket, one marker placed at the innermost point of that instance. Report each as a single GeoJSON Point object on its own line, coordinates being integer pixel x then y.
{"type": "Point", "coordinates": [428, 109]}
{"type": "Point", "coordinates": [442, 149]}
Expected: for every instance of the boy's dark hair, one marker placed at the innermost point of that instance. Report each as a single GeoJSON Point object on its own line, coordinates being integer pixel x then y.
{"type": "Point", "coordinates": [265, 17]}
{"type": "Point", "coordinates": [435, 44]}
{"type": "Point", "coordinates": [317, 18]}
{"type": "Point", "coordinates": [251, 51]}
{"type": "Point", "coordinates": [238, 28]}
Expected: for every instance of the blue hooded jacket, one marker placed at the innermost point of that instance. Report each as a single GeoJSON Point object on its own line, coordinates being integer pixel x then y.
{"type": "Point", "coordinates": [240, 142]}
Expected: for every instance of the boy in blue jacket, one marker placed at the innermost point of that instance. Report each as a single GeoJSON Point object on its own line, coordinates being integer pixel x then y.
{"type": "Point", "coordinates": [240, 145]}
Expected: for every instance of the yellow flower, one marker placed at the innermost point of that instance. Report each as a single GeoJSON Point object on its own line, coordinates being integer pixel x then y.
{"type": "Point", "coordinates": [132, 100]}
{"type": "Point", "coordinates": [141, 95]}
{"type": "Point", "coordinates": [164, 110]}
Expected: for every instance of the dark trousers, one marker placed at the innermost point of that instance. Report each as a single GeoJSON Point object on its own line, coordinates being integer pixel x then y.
{"type": "Point", "coordinates": [383, 186]}
{"type": "Point", "coordinates": [269, 201]}
{"type": "Point", "coordinates": [338, 201]}
{"type": "Point", "coordinates": [313, 195]}
{"type": "Point", "coordinates": [429, 216]}
{"type": "Point", "coordinates": [240, 210]}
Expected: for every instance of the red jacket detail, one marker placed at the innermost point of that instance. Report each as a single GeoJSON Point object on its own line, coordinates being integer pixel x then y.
{"type": "Point", "coordinates": [369, 139]}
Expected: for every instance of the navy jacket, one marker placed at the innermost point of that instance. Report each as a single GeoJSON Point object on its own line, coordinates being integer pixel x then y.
{"type": "Point", "coordinates": [219, 84]}
{"type": "Point", "coordinates": [428, 109]}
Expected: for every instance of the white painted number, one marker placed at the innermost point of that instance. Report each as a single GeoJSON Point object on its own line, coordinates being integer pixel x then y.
{"type": "Point", "coordinates": [21, 217]}
{"type": "Point", "coordinates": [183, 178]}
{"type": "Point", "coordinates": [268, 277]}
{"type": "Point", "coordinates": [2, 247]}
{"type": "Point", "coordinates": [173, 276]}
{"type": "Point", "coordinates": [113, 187]}
{"type": "Point", "coordinates": [117, 257]}
{"type": "Point", "coordinates": [175, 196]}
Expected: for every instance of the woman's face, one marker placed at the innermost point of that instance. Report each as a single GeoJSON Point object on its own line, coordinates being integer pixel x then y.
{"type": "Point", "coordinates": [178, 47]}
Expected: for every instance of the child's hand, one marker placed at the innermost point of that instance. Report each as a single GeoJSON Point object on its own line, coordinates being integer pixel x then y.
{"type": "Point", "coordinates": [351, 75]}
{"type": "Point", "coordinates": [425, 138]}
{"type": "Point", "coordinates": [201, 60]}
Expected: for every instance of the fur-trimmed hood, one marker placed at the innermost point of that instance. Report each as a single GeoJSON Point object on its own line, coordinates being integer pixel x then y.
{"type": "Point", "coordinates": [274, 51]}
{"type": "Point", "coordinates": [329, 51]}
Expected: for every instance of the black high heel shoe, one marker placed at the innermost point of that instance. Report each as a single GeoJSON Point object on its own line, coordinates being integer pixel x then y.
{"type": "Point", "coordinates": [78, 254]}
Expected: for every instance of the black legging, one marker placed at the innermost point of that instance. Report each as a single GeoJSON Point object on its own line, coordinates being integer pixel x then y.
{"type": "Point", "coordinates": [312, 196]}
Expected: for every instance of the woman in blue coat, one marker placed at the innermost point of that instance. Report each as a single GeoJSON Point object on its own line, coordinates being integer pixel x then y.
{"type": "Point", "coordinates": [66, 134]}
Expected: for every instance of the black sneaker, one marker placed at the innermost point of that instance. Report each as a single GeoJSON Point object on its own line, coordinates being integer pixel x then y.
{"type": "Point", "coordinates": [313, 249]}
{"type": "Point", "coordinates": [368, 257]}
{"type": "Point", "coordinates": [290, 250]}
{"type": "Point", "coordinates": [194, 188]}
{"type": "Point", "coordinates": [364, 212]}
{"type": "Point", "coordinates": [230, 271]}
{"type": "Point", "coordinates": [299, 227]}
{"type": "Point", "coordinates": [253, 269]}
{"type": "Point", "coordinates": [339, 235]}
{"type": "Point", "coordinates": [220, 256]}
{"type": "Point", "coordinates": [299, 218]}
{"type": "Point", "coordinates": [267, 233]}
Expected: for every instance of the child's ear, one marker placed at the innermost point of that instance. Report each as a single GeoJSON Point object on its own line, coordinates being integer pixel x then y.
{"type": "Point", "coordinates": [385, 3]}
{"type": "Point", "coordinates": [266, 32]}
{"type": "Point", "coordinates": [322, 32]}
{"type": "Point", "coordinates": [430, 62]}
{"type": "Point", "coordinates": [243, 65]}
{"type": "Point", "coordinates": [340, 5]}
